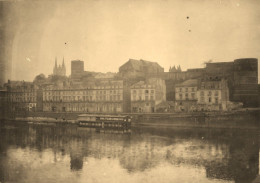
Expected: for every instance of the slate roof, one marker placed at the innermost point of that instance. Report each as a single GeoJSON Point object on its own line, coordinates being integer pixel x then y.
{"type": "Point", "coordinates": [190, 82]}
{"type": "Point", "coordinates": [139, 64]}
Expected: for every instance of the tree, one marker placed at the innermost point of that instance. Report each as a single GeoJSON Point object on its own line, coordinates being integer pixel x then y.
{"type": "Point", "coordinates": [39, 79]}
{"type": "Point", "coordinates": [206, 62]}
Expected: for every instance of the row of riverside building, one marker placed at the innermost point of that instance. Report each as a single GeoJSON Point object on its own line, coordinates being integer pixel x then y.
{"type": "Point", "coordinates": [139, 87]}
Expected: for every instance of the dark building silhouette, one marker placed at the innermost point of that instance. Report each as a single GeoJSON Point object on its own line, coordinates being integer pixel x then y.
{"type": "Point", "coordinates": [76, 162]}
{"type": "Point", "coordinates": [77, 69]}
{"type": "Point", "coordinates": [246, 81]}
{"type": "Point", "coordinates": [242, 76]}
{"type": "Point", "coordinates": [3, 104]}
{"type": "Point", "coordinates": [258, 95]}
{"type": "Point", "coordinates": [139, 68]}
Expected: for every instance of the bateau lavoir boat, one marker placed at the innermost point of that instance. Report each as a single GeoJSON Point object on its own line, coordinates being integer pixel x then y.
{"type": "Point", "coordinates": [104, 121]}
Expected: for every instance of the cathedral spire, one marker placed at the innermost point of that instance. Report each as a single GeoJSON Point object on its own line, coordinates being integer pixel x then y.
{"type": "Point", "coordinates": [55, 62]}
{"type": "Point", "coordinates": [63, 64]}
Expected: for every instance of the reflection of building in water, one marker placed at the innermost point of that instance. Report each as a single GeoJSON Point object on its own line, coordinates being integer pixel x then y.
{"type": "Point", "coordinates": [243, 163]}
{"type": "Point", "coordinates": [225, 154]}
{"type": "Point", "coordinates": [76, 155]}
{"type": "Point", "coordinates": [76, 162]}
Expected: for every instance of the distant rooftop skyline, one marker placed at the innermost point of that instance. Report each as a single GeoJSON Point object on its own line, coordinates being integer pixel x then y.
{"type": "Point", "coordinates": [105, 34]}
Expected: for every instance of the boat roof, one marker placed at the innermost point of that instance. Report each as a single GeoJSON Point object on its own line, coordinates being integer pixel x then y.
{"type": "Point", "coordinates": [107, 116]}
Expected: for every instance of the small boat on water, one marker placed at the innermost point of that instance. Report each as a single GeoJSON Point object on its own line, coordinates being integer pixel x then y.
{"type": "Point", "coordinates": [104, 121]}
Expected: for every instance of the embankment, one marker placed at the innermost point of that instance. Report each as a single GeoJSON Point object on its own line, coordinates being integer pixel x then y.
{"type": "Point", "coordinates": [248, 119]}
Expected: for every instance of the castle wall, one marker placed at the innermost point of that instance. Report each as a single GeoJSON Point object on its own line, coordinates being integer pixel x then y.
{"type": "Point", "coordinates": [246, 81]}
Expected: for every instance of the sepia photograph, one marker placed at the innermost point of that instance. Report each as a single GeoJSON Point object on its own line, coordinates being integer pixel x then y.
{"type": "Point", "coordinates": [129, 91]}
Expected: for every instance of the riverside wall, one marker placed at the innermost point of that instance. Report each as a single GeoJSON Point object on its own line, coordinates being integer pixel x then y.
{"type": "Point", "coordinates": [233, 119]}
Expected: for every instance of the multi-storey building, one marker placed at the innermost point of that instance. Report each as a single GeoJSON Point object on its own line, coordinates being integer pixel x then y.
{"type": "Point", "coordinates": [242, 79]}
{"type": "Point", "coordinates": [258, 95]}
{"type": "Point", "coordinates": [145, 95]}
{"type": "Point", "coordinates": [21, 96]}
{"type": "Point", "coordinates": [3, 103]}
{"type": "Point", "coordinates": [241, 75]}
{"type": "Point", "coordinates": [213, 94]}
{"type": "Point", "coordinates": [139, 68]}
{"type": "Point", "coordinates": [101, 96]}
{"type": "Point", "coordinates": [203, 94]}
{"type": "Point", "coordinates": [186, 95]}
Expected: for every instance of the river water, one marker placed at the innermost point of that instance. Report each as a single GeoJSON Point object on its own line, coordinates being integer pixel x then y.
{"type": "Point", "coordinates": [49, 153]}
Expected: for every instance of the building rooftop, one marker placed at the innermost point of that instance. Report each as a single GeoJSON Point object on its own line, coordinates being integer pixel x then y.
{"type": "Point", "coordinates": [143, 83]}
{"type": "Point", "coordinates": [190, 82]}
{"type": "Point", "coordinates": [140, 64]}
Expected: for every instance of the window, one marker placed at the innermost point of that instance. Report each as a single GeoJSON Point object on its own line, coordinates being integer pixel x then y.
{"type": "Point", "coordinates": [193, 95]}
{"type": "Point", "coordinates": [202, 93]}
{"type": "Point", "coordinates": [202, 99]}
{"type": "Point", "coordinates": [186, 96]}
{"type": "Point", "coordinates": [216, 93]}
{"type": "Point", "coordinates": [146, 97]}
{"type": "Point", "coordinates": [209, 99]}
{"type": "Point", "coordinates": [180, 89]}
{"type": "Point", "coordinates": [152, 91]}
{"type": "Point", "coordinates": [186, 89]}
{"type": "Point", "coordinates": [180, 96]}
{"type": "Point", "coordinates": [210, 93]}
{"type": "Point", "coordinates": [151, 97]}
{"type": "Point", "coordinates": [216, 100]}
{"type": "Point", "coordinates": [134, 97]}
{"type": "Point", "coordinates": [146, 91]}
{"type": "Point", "coordinates": [192, 89]}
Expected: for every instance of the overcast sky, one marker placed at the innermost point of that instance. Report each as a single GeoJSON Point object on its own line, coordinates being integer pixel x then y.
{"type": "Point", "coordinates": [106, 33]}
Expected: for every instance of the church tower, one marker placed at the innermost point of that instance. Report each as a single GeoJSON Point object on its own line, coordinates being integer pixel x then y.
{"type": "Point", "coordinates": [55, 67]}
{"type": "Point", "coordinates": [59, 70]}
{"type": "Point", "coordinates": [63, 68]}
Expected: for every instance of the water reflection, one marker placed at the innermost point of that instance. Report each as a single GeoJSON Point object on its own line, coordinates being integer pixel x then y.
{"type": "Point", "coordinates": [38, 153]}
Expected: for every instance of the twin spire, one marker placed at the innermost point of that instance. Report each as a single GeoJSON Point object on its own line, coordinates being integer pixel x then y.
{"type": "Point", "coordinates": [59, 70]}
{"type": "Point", "coordinates": [175, 69]}
{"type": "Point", "coordinates": [63, 64]}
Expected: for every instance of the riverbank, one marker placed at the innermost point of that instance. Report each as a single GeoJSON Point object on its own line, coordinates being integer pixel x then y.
{"type": "Point", "coordinates": [246, 118]}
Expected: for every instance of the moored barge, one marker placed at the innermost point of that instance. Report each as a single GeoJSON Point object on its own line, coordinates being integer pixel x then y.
{"type": "Point", "coordinates": [104, 121]}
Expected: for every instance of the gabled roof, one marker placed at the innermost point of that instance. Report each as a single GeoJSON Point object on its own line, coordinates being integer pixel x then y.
{"type": "Point", "coordinates": [190, 82]}
{"type": "Point", "coordinates": [139, 83]}
{"type": "Point", "coordinates": [139, 64]}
